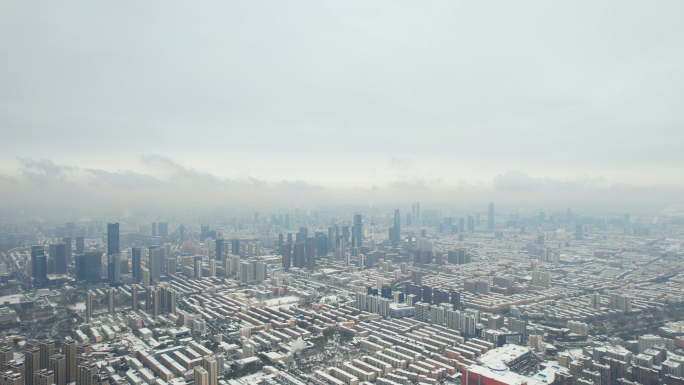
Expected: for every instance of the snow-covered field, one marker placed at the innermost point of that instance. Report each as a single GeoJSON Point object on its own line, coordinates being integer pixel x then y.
{"type": "Point", "coordinates": [281, 301]}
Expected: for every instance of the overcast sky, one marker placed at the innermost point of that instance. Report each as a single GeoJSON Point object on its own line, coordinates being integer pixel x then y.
{"type": "Point", "coordinates": [347, 101]}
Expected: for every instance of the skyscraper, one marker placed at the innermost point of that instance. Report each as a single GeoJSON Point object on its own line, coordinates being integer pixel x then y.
{"type": "Point", "coordinates": [136, 262]}
{"type": "Point", "coordinates": [39, 266]}
{"type": "Point", "coordinates": [219, 248]}
{"type": "Point", "coordinates": [490, 217]}
{"type": "Point", "coordinates": [31, 364]}
{"type": "Point", "coordinates": [395, 231]}
{"type": "Point", "coordinates": [201, 377]}
{"type": "Point", "coordinates": [67, 242]}
{"type": "Point", "coordinates": [69, 351]}
{"type": "Point", "coordinates": [358, 229]}
{"type": "Point", "coordinates": [163, 228]}
{"type": "Point", "coordinates": [44, 377]}
{"type": "Point", "coordinates": [58, 367]}
{"type": "Point", "coordinates": [112, 238]}
{"type": "Point", "coordinates": [47, 349]}
{"type": "Point", "coordinates": [418, 212]}
{"type": "Point", "coordinates": [156, 262]}
{"type": "Point", "coordinates": [92, 267]}
{"type": "Point", "coordinates": [61, 258]}
{"type": "Point", "coordinates": [114, 270]}
{"type": "Point", "coordinates": [113, 254]}
{"type": "Point", "coordinates": [135, 299]}
{"type": "Point", "coordinates": [311, 256]}
{"type": "Point", "coordinates": [287, 261]}
{"type": "Point", "coordinates": [321, 243]}
{"type": "Point", "coordinates": [80, 245]}
{"type": "Point", "coordinates": [299, 256]}
{"type": "Point", "coordinates": [209, 364]}
{"type": "Point", "coordinates": [110, 297]}
{"type": "Point", "coordinates": [89, 304]}
{"type": "Point", "coordinates": [235, 247]}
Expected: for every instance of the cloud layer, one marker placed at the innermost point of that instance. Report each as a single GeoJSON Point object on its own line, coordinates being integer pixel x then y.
{"type": "Point", "coordinates": [45, 182]}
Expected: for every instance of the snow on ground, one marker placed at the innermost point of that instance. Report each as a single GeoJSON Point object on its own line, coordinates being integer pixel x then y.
{"type": "Point", "coordinates": [275, 303]}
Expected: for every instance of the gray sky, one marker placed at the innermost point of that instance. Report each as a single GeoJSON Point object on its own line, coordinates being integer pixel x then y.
{"type": "Point", "coordinates": [349, 101]}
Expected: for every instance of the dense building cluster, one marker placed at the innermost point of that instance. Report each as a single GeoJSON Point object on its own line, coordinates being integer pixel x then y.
{"type": "Point", "coordinates": [336, 297]}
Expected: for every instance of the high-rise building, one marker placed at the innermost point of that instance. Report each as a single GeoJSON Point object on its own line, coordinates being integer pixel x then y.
{"type": "Point", "coordinates": [47, 349]}
{"type": "Point", "coordinates": [471, 224]}
{"type": "Point", "coordinates": [39, 266]}
{"type": "Point", "coordinates": [86, 373]}
{"type": "Point", "coordinates": [235, 247]}
{"type": "Point", "coordinates": [395, 230]}
{"type": "Point", "coordinates": [12, 377]}
{"type": "Point", "coordinates": [114, 270]}
{"type": "Point", "coordinates": [145, 273]}
{"type": "Point", "coordinates": [172, 265]}
{"type": "Point", "coordinates": [311, 256]}
{"type": "Point", "coordinates": [112, 238]}
{"type": "Point", "coordinates": [427, 294]}
{"type": "Point", "coordinates": [89, 267]}
{"type": "Point", "coordinates": [60, 258]}
{"type": "Point", "coordinates": [58, 367]}
{"type": "Point", "coordinates": [490, 217]}
{"type": "Point", "coordinates": [110, 297]}
{"type": "Point", "coordinates": [136, 262]}
{"type": "Point", "coordinates": [6, 355]}
{"type": "Point", "coordinates": [31, 364]}
{"type": "Point", "coordinates": [67, 242]}
{"type": "Point", "coordinates": [287, 260]}
{"type": "Point", "coordinates": [44, 377]}
{"type": "Point", "coordinates": [90, 295]}
{"type": "Point", "coordinates": [198, 269]}
{"type": "Point", "coordinates": [418, 212]}
{"type": "Point", "coordinates": [163, 228]}
{"type": "Point", "coordinates": [299, 257]}
{"type": "Point", "coordinates": [455, 300]}
{"type": "Point", "coordinates": [113, 254]}
{"type": "Point", "coordinates": [358, 229]}
{"type": "Point", "coordinates": [156, 262]}
{"type": "Point", "coordinates": [201, 376]}
{"type": "Point", "coordinates": [154, 229]}
{"type": "Point", "coordinates": [321, 243]}
{"type": "Point", "coordinates": [134, 298]}
{"type": "Point", "coordinates": [80, 245]}
{"type": "Point", "coordinates": [171, 299]}
{"type": "Point", "coordinates": [247, 271]}
{"type": "Point", "coordinates": [209, 364]}
{"type": "Point", "coordinates": [212, 267]}
{"type": "Point", "coordinates": [181, 230]}
{"type": "Point", "coordinates": [595, 301]}
{"type": "Point", "coordinates": [219, 247]}
{"type": "Point", "coordinates": [69, 351]}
